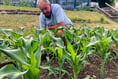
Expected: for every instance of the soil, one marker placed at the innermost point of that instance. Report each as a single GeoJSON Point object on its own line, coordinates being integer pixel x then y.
{"type": "Point", "coordinates": [92, 70]}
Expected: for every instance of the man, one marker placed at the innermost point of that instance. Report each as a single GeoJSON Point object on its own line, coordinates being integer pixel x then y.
{"type": "Point", "coordinates": [52, 15]}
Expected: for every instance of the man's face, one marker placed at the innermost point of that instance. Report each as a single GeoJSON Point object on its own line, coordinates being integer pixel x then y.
{"type": "Point", "coordinates": [45, 8]}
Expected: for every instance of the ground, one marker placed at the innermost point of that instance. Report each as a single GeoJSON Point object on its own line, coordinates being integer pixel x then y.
{"type": "Point", "coordinates": [92, 70]}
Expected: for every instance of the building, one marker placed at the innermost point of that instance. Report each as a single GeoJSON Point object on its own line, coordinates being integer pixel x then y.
{"type": "Point", "coordinates": [72, 4]}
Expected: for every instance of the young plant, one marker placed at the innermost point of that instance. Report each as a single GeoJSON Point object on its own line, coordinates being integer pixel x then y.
{"type": "Point", "coordinates": [77, 61]}
{"type": "Point", "coordinates": [28, 56]}
{"type": "Point", "coordinates": [103, 48]}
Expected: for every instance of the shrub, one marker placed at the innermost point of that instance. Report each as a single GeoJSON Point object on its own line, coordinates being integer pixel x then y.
{"type": "Point", "coordinates": [7, 2]}
{"type": "Point", "coordinates": [102, 19]}
{"type": "Point", "coordinates": [24, 4]}
{"type": "Point", "coordinates": [102, 2]}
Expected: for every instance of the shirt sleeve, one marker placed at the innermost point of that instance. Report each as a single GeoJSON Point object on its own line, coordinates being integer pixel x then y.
{"type": "Point", "coordinates": [42, 22]}
{"type": "Point", "coordinates": [59, 14]}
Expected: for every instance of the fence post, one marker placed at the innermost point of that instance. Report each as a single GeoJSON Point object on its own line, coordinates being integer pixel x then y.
{"type": "Point", "coordinates": [88, 2]}
{"type": "Point", "coordinates": [74, 4]}
{"type": "Point", "coordinates": [35, 3]}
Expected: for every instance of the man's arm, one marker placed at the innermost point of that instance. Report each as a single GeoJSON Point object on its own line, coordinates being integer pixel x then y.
{"type": "Point", "coordinates": [55, 26]}
{"type": "Point", "coordinates": [42, 21]}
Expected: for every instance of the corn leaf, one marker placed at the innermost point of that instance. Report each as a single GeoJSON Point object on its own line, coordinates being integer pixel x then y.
{"type": "Point", "coordinates": [11, 72]}
{"type": "Point", "coordinates": [14, 54]}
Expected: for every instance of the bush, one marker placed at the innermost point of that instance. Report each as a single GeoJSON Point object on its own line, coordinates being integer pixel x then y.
{"type": "Point", "coordinates": [111, 2]}
{"type": "Point", "coordinates": [77, 19]}
{"type": "Point", "coordinates": [102, 3]}
{"type": "Point", "coordinates": [7, 2]}
{"type": "Point", "coordinates": [87, 9]}
{"type": "Point", "coordinates": [102, 19]}
{"type": "Point", "coordinates": [24, 4]}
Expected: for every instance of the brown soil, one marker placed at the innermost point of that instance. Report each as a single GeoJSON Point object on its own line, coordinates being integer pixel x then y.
{"type": "Point", "coordinates": [92, 70]}
{"type": "Point", "coordinates": [6, 63]}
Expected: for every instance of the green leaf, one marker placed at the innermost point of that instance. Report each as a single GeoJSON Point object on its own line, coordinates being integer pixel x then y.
{"type": "Point", "coordinates": [11, 72]}
{"type": "Point", "coordinates": [33, 72]}
{"type": "Point", "coordinates": [93, 43]}
{"type": "Point", "coordinates": [60, 54]}
{"type": "Point", "coordinates": [15, 54]}
{"type": "Point", "coordinates": [71, 50]}
{"type": "Point", "coordinates": [58, 42]}
{"type": "Point", "coordinates": [38, 55]}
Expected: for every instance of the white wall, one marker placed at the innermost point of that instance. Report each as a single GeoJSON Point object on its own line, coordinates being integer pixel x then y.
{"type": "Point", "coordinates": [116, 5]}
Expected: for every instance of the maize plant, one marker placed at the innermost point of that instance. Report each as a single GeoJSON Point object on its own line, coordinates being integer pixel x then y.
{"type": "Point", "coordinates": [72, 48]}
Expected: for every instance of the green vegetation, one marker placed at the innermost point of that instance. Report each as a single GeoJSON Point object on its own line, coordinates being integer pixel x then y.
{"type": "Point", "coordinates": [26, 51]}
{"type": "Point", "coordinates": [4, 7]}
{"type": "Point", "coordinates": [102, 19]}
{"type": "Point", "coordinates": [26, 46]}
{"type": "Point", "coordinates": [7, 2]}
{"type": "Point", "coordinates": [24, 4]}
{"type": "Point", "coordinates": [16, 21]}
{"type": "Point", "coordinates": [102, 2]}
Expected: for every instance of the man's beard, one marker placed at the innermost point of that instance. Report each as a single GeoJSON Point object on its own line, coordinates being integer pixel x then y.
{"type": "Point", "coordinates": [48, 15]}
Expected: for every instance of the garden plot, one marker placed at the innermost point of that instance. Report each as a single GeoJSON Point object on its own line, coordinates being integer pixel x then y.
{"type": "Point", "coordinates": [87, 53]}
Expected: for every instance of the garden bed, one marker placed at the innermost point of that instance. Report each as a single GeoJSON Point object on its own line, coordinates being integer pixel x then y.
{"type": "Point", "coordinates": [92, 70]}
{"type": "Point", "coordinates": [20, 12]}
{"type": "Point", "coordinates": [84, 52]}
{"type": "Point", "coordinates": [110, 12]}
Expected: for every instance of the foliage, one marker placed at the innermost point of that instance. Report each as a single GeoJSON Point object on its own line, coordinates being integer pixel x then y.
{"type": "Point", "coordinates": [102, 2]}
{"type": "Point", "coordinates": [24, 4]}
{"type": "Point", "coordinates": [102, 19]}
{"type": "Point", "coordinates": [7, 2]}
{"type": "Point", "coordinates": [72, 48]}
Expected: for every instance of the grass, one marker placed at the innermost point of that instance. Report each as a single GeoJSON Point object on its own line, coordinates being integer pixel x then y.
{"type": "Point", "coordinates": [92, 16]}
{"type": "Point", "coordinates": [15, 21]}
{"type": "Point", "coordinates": [3, 7]}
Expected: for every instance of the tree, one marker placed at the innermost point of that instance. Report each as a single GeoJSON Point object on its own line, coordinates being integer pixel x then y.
{"type": "Point", "coordinates": [102, 3]}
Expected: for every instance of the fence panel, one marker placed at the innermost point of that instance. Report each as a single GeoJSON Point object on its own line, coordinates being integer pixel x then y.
{"type": "Point", "coordinates": [72, 4]}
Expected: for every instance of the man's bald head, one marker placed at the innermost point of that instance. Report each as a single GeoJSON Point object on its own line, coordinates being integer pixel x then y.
{"type": "Point", "coordinates": [39, 1]}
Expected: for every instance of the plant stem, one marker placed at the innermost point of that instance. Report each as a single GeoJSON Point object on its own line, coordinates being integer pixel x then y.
{"type": "Point", "coordinates": [102, 70]}
{"type": "Point", "coordinates": [75, 73]}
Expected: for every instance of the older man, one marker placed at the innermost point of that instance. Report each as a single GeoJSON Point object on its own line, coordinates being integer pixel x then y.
{"type": "Point", "coordinates": [52, 15]}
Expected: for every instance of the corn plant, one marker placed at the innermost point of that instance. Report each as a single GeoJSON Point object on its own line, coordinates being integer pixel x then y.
{"type": "Point", "coordinates": [76, 60]}
{"type": "Point", "coordinates": [13, 38]}
{"type": "Point", "coordinates": [26, 53]}
{"type": "Point", "coordinates": [115, 42]}
{"type": "Point", "coordinates": [103, 48]}
{"type": "Point", "coordinates": [28, 56]}
{"type": "Point", "coordinates": [11, 72]}
{"type": "Point", "coordinates": [115, 39]}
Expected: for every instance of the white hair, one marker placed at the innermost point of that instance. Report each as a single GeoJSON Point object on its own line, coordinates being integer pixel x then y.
{"type": "Point", "coordinates": [38, 1]}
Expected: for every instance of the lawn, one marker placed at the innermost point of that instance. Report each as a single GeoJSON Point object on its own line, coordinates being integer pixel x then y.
{"type": "Point", "coordinates": [3, 7]}
{"type": "Point", "coordinates": [15, 21]}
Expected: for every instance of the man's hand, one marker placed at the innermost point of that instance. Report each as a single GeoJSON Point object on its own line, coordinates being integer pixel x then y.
{"type": "Point", "coordinates": [55, 26]}
{"type": "Point", "coordinates": [59, 32]}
